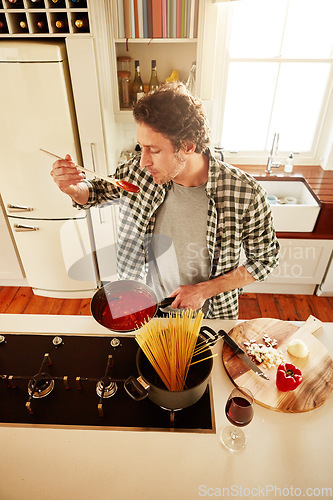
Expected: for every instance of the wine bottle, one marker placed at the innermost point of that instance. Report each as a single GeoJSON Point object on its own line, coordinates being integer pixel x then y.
{"type": "Point", "coordinates": [154, 83]}
{"type": "Point", "coordinates": [82, 23]}
{"type": "Point", "coordinates": [41, 25]}
{"type": "Point", "coordinates": [137, 87]}
{"type": "Point", "coordinates": [23, 25]}
{"type": "Point", "coordinates": [3, 26]}
{"type": "Point", "coordinates": [61, 24]}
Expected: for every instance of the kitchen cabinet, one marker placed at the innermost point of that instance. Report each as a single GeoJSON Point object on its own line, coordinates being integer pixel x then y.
{"type": "Point", "coordinates": [301, 267]}
{"type": "Point", "coordinates": [170, 54]}
{"type": "Point", "coordinates": [57, 256]}
{"type": "Point", "coordinates": [326, 287]}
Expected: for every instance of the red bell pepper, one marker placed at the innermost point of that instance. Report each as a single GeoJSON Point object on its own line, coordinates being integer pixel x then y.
{"type": "Point", "coordinates": [288, 377]}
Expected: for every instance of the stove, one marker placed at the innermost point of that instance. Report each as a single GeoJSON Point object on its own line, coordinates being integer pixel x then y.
{"type": "Point", "coordinates": [78, 381]}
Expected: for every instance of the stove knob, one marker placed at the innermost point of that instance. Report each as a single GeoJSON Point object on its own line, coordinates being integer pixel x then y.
{"type": "Point", "coordinates": [57, 341]}
{"type": "Point", "coordinates": [2, 339]}
{"type": "Point", "coordinates": [115, 342]}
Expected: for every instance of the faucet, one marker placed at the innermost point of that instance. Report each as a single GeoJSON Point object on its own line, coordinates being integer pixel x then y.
{"type": "Point", "coordinates": [270, 163]}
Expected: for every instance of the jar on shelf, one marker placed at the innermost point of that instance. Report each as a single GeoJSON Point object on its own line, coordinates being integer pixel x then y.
{"type": "Point", "coordinates": [124, 63]}
{"type": "Point", "coordinates": [125, 87]}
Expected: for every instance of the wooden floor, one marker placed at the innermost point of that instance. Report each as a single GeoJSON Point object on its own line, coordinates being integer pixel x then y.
{"type": "Point", "coordinates": [21, 300]}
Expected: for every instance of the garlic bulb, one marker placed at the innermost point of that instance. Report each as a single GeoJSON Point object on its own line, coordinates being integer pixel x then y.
{"type": "Point", "coordinates": [298, 348]}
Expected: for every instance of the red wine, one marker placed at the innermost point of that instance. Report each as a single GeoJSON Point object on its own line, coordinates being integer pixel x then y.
{"type": "Point", "coordinates": [239, 411]}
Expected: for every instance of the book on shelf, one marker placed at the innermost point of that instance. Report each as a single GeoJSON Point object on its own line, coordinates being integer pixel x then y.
{"type": "Point", "coordinates": [121, 22]}
{"type": "Point", "coordinates": [127, 18]}
{"type": "Point", "coordinates": [145, 18]}
{"type": "Point", "coordinates": [132, 18]}
{"type": "Point", "coordinates": [164, 19]}
{"type": "Point", "coordinates": [179, 19]}
{"type": "Point", "coordinates": [157, 18]}
{"type": "Point", "coordinates": [183, 21]}
{"type": "Point", "coordinates": [140, 18]}
{"type": "Point", "coordinates": [136, 19]}
{"type": "Point", "coordinates": [150, 18]}
{"type": "Point", "coordinates": [172, 18]}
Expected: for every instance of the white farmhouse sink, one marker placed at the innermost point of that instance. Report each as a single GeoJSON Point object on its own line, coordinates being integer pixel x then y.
{"type": "Point", "coordinates": [299, 216]}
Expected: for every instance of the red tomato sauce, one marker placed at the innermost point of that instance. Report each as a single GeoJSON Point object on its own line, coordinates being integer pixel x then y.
{"type": "Point", "coordinates": [127, 311]}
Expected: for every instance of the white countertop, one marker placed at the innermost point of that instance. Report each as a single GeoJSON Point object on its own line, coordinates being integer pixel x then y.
{"type": "Point", "coordinates": [287, 455]}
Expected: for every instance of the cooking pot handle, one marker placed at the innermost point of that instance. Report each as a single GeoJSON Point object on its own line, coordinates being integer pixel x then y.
{"type": "Point", "coordinates": [210, 335]}
{"type": "Point", "coordinates": [136, 388]}
{"type": "Point", "coordinates": [166, 302]}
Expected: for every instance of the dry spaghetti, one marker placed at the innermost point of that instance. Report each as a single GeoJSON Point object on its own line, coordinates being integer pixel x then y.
{"type": "Point", "coordinates": [170, 347]}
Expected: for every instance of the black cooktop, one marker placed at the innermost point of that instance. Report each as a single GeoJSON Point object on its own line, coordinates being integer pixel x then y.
{"type": "Point", "coordinates": [70, 368]}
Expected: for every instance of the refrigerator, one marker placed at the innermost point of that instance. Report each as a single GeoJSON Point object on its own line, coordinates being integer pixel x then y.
{"type": "Point", "coordinates": [54, 239]}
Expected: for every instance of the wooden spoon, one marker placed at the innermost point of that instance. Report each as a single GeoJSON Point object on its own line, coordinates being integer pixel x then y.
{"type": "Point", "coordinates": [127, 186]}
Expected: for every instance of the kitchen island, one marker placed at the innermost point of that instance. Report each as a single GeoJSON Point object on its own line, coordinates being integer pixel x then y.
{"type": "Point", "coordinates": [287, 455]}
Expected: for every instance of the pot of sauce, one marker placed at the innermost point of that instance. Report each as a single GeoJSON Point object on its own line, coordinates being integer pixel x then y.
{"type": "Point", "coordinates": [123, 306]}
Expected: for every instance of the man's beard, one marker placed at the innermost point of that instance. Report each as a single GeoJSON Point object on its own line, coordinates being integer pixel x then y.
{"type": "Point", "coordinates": [179, 164]}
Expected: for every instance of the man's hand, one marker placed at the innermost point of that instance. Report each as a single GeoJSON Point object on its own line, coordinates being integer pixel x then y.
{"type": "Point", "coordinates": [69, 179]}
{"type": "Point", "coordinates": [188, 297]}
{"type": "Point", "coordinates": [194, 296]}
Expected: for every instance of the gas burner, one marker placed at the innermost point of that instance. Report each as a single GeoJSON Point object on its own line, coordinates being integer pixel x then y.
{"type": "Point", "coordinates": [41, 385]}
{"type": "Point", "coordinates": [109, 391]}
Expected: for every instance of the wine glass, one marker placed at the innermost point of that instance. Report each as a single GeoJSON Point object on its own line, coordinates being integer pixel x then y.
{"type": "Point", "coordinates": [239, 411]}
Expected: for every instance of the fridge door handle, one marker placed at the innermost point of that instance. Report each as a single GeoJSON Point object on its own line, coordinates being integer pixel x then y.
{"type": "Point", "coordinates": [18, 208]}
{"type": "Point", "coordinates": [24, 228]}
{"type": "Point", "coordinates": [93, 155]}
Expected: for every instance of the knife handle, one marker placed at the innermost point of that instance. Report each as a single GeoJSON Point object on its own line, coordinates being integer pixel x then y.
{"type": "Point", "coordinates": [231, 343]}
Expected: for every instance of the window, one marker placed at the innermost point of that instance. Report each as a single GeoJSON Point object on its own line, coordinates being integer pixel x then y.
{"type": "Point", "coordinates": [276, 76]}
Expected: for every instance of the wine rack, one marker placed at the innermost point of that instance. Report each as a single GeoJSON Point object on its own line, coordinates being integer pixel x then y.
{"type": "Point", "coordinates": [44, 18]}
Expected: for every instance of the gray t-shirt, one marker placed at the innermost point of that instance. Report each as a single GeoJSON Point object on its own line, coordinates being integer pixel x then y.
{"type": "Point", "coordinates": [179, 247]}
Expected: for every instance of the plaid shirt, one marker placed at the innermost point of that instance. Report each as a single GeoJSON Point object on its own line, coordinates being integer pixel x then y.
{"type": "Point", "coordinates": [238, 215]}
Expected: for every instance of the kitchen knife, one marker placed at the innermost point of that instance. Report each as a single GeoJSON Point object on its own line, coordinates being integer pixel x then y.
{"type": "Point", "coordinates": [241, 354]}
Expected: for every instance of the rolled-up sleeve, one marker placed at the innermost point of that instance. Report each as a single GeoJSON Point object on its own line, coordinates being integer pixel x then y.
{"type": "Point", "coordinates": [259, 238]}
{"type": "Point", "coordinates": [100, 192]}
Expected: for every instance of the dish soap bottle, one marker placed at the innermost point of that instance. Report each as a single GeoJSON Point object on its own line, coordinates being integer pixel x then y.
{"type": "Point", "coordinates": [288, 168]}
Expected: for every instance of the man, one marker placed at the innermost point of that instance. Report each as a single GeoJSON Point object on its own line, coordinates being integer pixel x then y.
{"type": "Point", "coordinates": [205, 209]}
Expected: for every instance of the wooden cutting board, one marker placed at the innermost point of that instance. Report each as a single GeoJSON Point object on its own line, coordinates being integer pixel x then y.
{"type": "Point", "coordinates": [317, 367]}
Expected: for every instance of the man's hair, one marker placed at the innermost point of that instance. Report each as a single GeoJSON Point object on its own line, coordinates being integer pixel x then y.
{"type": "Point", "coordinates": [174, 112]}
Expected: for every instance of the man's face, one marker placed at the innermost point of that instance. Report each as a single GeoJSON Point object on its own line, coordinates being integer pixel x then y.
{"type": "Point", "coordinates": [158, 155]}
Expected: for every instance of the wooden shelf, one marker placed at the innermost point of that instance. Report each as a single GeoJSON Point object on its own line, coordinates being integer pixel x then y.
{"type": "Point", "coordinates": [155, 40]}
